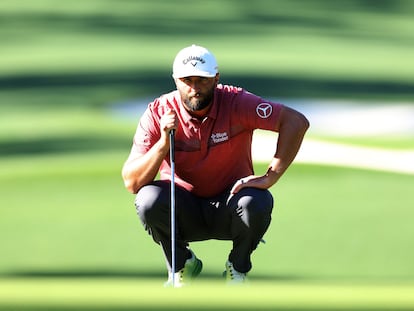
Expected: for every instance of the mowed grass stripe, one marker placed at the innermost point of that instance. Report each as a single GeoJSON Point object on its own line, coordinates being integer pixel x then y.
{"type": "Point", "coordinates": [145, 294]}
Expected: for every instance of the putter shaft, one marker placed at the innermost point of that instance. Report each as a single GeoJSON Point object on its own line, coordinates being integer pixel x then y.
{"type": "Point", "coordinates": [172, 163]}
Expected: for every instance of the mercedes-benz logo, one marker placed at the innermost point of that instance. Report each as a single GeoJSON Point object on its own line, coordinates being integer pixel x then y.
{"type": "Point", "coordinates": [264, 110]}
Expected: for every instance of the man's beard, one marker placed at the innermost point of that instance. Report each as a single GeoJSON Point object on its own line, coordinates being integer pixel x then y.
{"type": "Point", "coordinates": [193, 103]}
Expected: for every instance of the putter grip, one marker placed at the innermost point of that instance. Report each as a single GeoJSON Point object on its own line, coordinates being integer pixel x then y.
{"type": "Point", "coordinates": [172, 145]}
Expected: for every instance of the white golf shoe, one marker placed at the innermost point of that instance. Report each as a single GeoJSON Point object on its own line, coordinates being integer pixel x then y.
{"type": "Point", "coordinates": [183, 277]}
{"type": "Point", "coordinates": [234, 277]}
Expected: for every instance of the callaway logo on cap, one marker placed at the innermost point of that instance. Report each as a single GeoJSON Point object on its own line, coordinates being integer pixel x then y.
{"type": "Point", "coordinates": [194, 61]}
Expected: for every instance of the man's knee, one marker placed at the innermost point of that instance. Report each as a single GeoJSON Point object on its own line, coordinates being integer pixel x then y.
{"type": "Point", "coordinates": [151, 200]}
{"type": "Point", "coordinates": [254, 208]}
{"type": "Point", "coordinates": [256, 201]}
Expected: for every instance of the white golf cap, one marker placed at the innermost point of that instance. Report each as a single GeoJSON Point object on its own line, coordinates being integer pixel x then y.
{"type": "Point", "coordinates": [194, 61]}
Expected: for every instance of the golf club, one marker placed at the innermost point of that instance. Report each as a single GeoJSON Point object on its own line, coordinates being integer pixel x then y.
{"type": "Point", "coordinates": [172, 163]}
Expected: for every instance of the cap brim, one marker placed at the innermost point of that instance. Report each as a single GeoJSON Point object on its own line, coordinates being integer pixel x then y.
{"type": "Point", "coordinates": [194, 74]}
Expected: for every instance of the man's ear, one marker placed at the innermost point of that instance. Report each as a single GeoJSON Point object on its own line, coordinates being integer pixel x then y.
{"type": "Point", "coordinates": [217, 78]}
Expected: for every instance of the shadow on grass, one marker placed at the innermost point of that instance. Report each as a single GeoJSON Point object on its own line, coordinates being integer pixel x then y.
{"type": "Point", "coordinates": [130, 274]}
{"type": "Point", "coordinates": [242, 17]}
{"type": "Point", "coordinates": [50, 145]}
{"type": "Point", "coordinates": [156, 83]}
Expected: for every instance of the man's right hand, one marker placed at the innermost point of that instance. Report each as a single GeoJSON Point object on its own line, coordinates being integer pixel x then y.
{"type": "Point", "coordinates": [168, 122]}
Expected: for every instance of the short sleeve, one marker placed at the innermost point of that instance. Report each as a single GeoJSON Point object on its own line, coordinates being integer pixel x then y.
{"type": "Point", "coordinates": [255, 112]}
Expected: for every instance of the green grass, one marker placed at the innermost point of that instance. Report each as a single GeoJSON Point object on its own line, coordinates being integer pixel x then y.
{"type": "Point", "coordinates": [146, 294]}
{"type": "Point", "coordinates": [392, 142]}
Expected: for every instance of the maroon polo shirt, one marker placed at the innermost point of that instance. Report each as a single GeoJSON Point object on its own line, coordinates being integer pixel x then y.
{"type": "Point", "coordinates": [213, 153]}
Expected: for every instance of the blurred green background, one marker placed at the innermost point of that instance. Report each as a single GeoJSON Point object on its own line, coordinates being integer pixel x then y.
{"type": "Point", "coordinates": [74, 77]}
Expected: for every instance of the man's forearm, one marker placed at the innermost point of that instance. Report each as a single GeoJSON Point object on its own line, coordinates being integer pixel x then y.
{"type": "Point", "coordinates": [140, 170]}
{"type": "Point", "coordinates": [291, 132]}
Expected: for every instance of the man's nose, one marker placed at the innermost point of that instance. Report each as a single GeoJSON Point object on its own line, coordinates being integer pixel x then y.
{"type": "Point", "coordinates": [194, 87]}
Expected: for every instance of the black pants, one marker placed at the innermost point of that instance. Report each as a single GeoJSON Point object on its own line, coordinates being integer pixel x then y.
{"type": "Point", "coordinates": [242, 218]}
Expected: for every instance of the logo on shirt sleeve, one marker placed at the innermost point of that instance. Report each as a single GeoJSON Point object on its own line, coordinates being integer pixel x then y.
{"type": "Point", "coordinates": [264, 110]}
